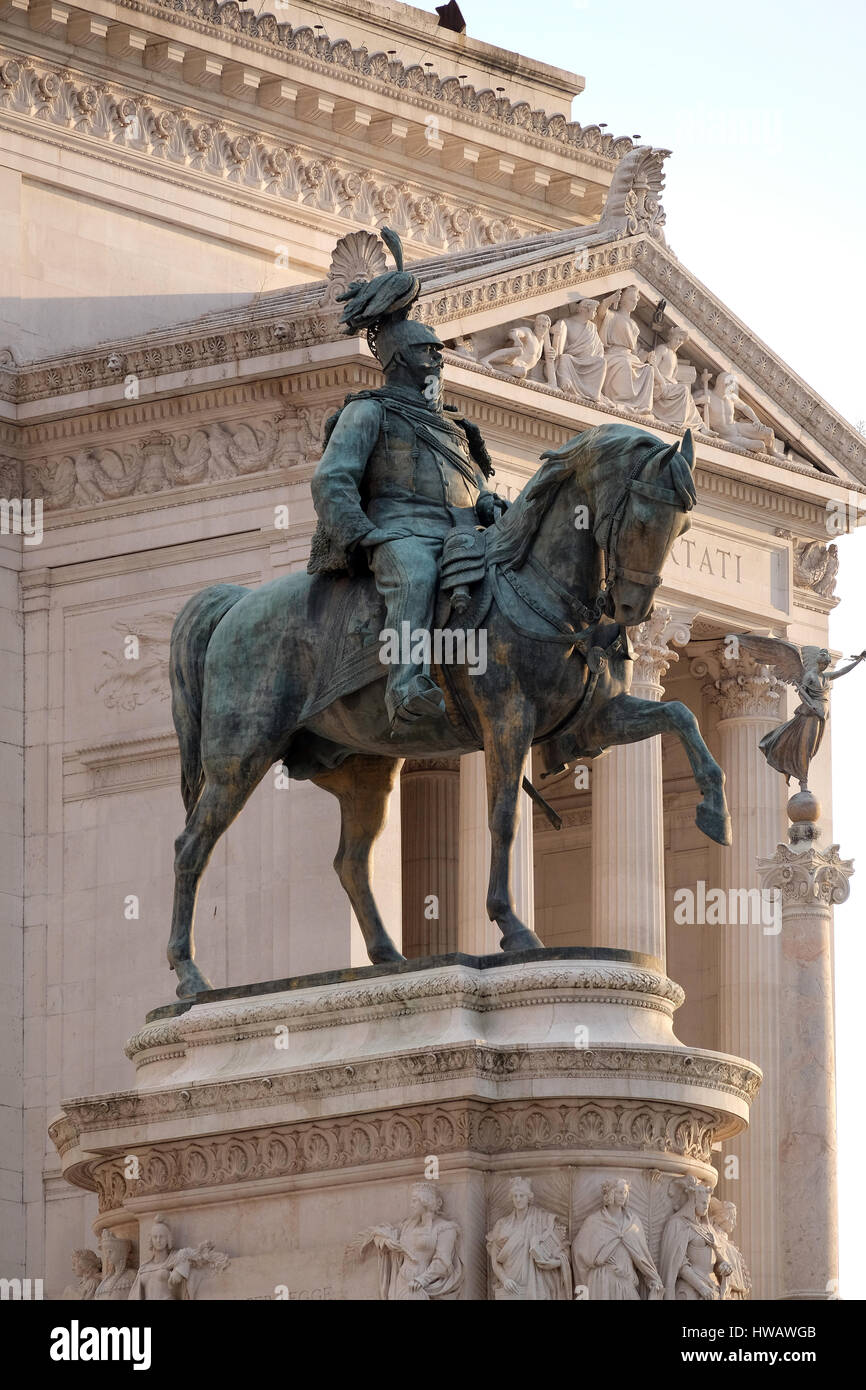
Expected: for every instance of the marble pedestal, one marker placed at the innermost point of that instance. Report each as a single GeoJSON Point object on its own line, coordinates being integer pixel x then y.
{"type": "Point", "coordinates": [281, 1120]}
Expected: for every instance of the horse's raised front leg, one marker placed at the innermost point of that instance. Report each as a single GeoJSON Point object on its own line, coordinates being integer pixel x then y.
{"type": "Point", "coordinates": [627, 719]}
{"type": "Point", "coordinates": [505, 755]}
{"type": "Point", "coordinates": [363, 786]}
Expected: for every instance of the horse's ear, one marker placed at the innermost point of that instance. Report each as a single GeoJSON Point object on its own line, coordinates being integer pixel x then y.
{"type": "Point", "coordinates": [687, 449]}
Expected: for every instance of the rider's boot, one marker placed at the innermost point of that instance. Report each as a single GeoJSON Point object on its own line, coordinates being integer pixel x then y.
{"type": "Point", "coordinates": [407, 701]}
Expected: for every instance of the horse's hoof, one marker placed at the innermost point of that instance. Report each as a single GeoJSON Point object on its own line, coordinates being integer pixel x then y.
{"type": "Point", "coordinates": [522, 940]}
{"type": "Point", "coordinates": [190, 980]}
{"type": "Point", "coordinates": [386, 955]}
{"type": "Point", "coordinates": [715, 824]}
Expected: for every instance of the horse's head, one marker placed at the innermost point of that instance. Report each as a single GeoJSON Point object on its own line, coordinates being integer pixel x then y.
{"type": "Point", "coordinates": [636, 492]}
{"type": "Point", "coordinates": [644, 510]}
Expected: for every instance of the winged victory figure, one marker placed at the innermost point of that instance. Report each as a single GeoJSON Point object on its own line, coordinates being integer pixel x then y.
{"type": "Point", "coordinates": [791, 747]}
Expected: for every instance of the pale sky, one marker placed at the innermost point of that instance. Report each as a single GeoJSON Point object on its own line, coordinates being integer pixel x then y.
{"type": "Point", "coordinates": [761, 103]}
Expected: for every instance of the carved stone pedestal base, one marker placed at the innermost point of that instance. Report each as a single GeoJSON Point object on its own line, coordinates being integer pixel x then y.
{"type": "Point", "coordinates": [358, 1136]}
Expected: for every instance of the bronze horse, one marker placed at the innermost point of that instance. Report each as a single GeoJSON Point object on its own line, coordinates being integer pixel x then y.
{"type": "Point", "coordinates": [574, 562]}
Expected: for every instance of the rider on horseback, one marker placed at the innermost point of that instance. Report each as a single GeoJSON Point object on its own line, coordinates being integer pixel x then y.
{"type": "Point", "coordinates": [398, 475]}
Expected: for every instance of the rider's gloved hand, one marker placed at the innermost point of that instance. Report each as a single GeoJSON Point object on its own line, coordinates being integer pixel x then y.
{"type": "Point", "coordinates": [489, 507]}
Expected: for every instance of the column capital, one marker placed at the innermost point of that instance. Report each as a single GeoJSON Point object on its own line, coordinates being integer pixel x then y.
{"type": "Point", "coordinates": [652, 644]}
{"type": "Point", "coordinates": [738, 685]}
{"type": "Point", "coordinates": [807, 876]}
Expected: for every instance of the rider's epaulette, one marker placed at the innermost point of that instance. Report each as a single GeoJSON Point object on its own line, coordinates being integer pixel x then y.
{"type": "Point", "coordinates": [331, 422]}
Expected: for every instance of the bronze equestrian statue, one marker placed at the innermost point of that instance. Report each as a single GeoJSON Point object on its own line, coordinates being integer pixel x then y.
{"type": "Point", "coordinates": [293, 671]}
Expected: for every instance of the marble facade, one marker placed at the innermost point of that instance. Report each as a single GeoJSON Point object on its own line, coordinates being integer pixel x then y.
{"type": "Point", "coordinates": [169, 353]}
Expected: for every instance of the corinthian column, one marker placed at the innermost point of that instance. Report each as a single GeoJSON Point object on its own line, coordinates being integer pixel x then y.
{"type": "Point", "coordinates": [477, 935]}
{"type": "Point", "coordinates": [810, 881]}
{"type": "Point", "coordinates": [749, 700]}
{"type": "Point", "coordinates": [628, 881]}
{"type": "Point", "coordinates": [430, 801]}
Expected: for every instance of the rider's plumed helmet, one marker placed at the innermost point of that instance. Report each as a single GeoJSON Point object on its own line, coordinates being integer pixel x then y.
{"type": "Point", "coordinates": [381, 307]}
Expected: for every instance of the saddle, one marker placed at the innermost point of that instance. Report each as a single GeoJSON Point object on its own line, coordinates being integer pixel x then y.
{"type": "Point", "coordinates": [350, 614]}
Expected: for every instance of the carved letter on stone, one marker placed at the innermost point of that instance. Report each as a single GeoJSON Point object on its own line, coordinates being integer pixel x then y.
{"type": "Point", "coordinates": [419, 1259]}
{"type": "Point", "coordinates": [611, 1255]}
{"type": "Point", "coordinates": [529, 1251]}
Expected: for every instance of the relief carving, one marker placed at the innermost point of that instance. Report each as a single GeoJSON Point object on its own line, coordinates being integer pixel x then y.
{"type": "Point", "coordinates": [738, 1284]}
{"type": "Point", "coordinates": [611, 1255]}
{"type": "Point", "coordinates": [170, 1275]}
{"type": "Point", "coordinates": [86, 1268]}
{"type": "Point", "coordinates": [732, 419]}
{"type": "Point", "coordinates": [158, 461]}
{"type": "Point", "coordinates": [419, 1260]}
{"type": "Point", "coordinates": [117, 1278]}
{"type": "Point", "coordinates": [136, 678]}
{"type": "Point", "coordinates": [528, 1251]}
{"type": "Point", "coordinates": [816, 566]}
{"type": "Point", "coordinates": [692, 1263]}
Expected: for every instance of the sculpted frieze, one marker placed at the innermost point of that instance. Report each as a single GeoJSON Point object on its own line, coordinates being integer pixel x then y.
{"type": "Point", "coordinates": [158, 461]}
{"type": "Point", "coordinates": [285, 1150]}
{"type": "Point", "coordinates": [139, 125]}
{"type": "Point", "coordinates": [168, 1274]}
{"type": "Point", "coordinates": [414, 83]}
{"type": "Point", "coordinates": [603, 353]}
{"type": "Point", "coordinates": [612, 1259]}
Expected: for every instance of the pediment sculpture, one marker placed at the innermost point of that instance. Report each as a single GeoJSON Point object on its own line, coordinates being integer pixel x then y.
{"type": "Point", "coordinates": [593, 352]}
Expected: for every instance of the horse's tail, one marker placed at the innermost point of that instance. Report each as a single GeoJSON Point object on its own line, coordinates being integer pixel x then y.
{"type": "Point", "coordinates": [193, 628]}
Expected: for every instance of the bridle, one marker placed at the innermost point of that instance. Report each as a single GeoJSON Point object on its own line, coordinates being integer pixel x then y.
{"type": "Point", "coordinates": [612, 525]}
{"type": "Point", "coordinates": [577, 614]}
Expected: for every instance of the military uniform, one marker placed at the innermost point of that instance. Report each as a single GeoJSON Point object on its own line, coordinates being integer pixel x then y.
{"type": "Point", "coordinates": [402, 472]}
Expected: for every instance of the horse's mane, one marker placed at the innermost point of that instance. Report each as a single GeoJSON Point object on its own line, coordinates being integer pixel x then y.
{"type": "Point", "coordinates": [514, 532]}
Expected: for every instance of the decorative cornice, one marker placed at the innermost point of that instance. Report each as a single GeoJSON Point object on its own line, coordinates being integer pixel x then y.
{"type": "Point", "coordinates": [232, 160]}
{"type": "Point", "coordinates": [447, 1128]}
{"type": "Point", "coordinates": [376, 72]}
{"type": "Point", "coordinates": [471, 1064]}
{"type": "Point", "coordinates": [430, 990]}
{"type": "Point", "coordinates": [303, 318]}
